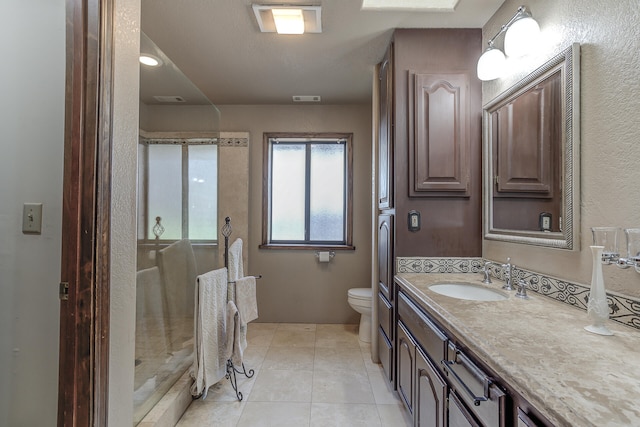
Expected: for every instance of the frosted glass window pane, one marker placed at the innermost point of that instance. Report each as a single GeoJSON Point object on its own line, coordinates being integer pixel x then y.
{"type": "Point", "coordinates": [287, 192]}
{"type": "Point", "coordinates": [327, 192]}
{"type": "Point", "coordinates": [203, 192]}
{"type": "Point", "coordinates": [165, 190]}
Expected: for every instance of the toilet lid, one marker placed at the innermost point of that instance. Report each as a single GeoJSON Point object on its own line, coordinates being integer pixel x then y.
{"type": "Point", "coordinates": [360, 293]}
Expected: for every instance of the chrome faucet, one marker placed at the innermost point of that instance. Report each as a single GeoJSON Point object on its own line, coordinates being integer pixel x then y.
{"type": "Point", "coordinates": [522, 289]}
{"type": "Point", "coordinates": [487, 273]}
{"type": "Point", "coordinates": [508, 268]}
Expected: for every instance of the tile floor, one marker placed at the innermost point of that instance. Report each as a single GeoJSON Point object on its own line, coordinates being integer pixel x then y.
{"type": "Point", "coordinates": [305, 375]}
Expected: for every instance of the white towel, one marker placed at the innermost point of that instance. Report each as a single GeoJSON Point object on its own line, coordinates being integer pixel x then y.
{"type": "Point", "coordinates": [177, 265]}
{"type": "Point", "coordinates": [236, 335]}
{"type": "Point", "coordinates": [246, 298]}
{"type": "Point", "coordinates": [236, 269]}
{"type": "Point", "coordinates": [209, 363]}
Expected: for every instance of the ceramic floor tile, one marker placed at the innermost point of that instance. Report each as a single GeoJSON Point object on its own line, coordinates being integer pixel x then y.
{"type": "Point", "coordinates": [394, 415]}
{"type": "Point", "coordinates": [254, 357]}
{"type": "Point", "coordinates": [282, 386]}
{"type": "Point", "coordinates": [332, 336]}
{"type": "Point", "coordinates": [284, 358]}
{"type": "Point", "coordinates": [207, 413]}
{"type": "Point", "coordinates": [341, 387]}
{"type": "Point", "coordinates": [300, 327]}
{"type": "Point", "coordinates": [294, 338]}
{"type": "Point", "coordinates": [275, 414]}
{"type": "Point", "coordinates": [368, 362]}
{"type": "Point", "coordinates": [344, 415]}
{"type": "Point", "coordinates": [339, 359]}
{"type": "Point", "coordinates": [383, 392]}
{"type": "Point", "coordinates": [260, 334]}
{"type": "Point", "coordinates": [222, 391]}
{"type": "Point", "coordinates": [305, 374]}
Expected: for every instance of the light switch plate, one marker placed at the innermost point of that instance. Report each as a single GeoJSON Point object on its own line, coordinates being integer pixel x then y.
{"type": "Point", "coordinates": [32, 218]}
{"type": "Point", "coordinates": [413, 220]}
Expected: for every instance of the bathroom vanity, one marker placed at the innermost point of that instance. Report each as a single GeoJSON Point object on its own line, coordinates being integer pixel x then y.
{"type": "Point", "coordinates": [509, 362]}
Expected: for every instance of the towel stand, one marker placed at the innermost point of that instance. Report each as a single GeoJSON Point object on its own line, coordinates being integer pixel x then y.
{"type": "Point", "coordinates": [231, 369]}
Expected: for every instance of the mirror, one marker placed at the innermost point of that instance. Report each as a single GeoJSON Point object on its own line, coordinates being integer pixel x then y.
{"type": "Point", "coordinates": [531, 157]}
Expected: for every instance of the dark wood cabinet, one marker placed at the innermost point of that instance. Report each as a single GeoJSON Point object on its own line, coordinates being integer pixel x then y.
{"type": "Point", "coordinates": [439, 137]}
{"type": "Point", "coordinates": [436, 112]}
{"type": "Point", "coordinates": [385, 254]}
{"type": "Point", "coordinates": [430, 394]}
{"type": "Point", "coordinates": [385, 295]}
{"type": "Point", "coordinates": [459, 416]}
{"type": "Point", "coordinates": [386, 354]}
{"type": "Point", "coordinates": [429, 161]}
{"type": "Point", "coordinates": [406, 351]}
{"type": "Point", "coordinates": [385, 131]}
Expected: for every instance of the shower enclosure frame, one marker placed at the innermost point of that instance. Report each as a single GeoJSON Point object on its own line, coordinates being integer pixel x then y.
{"type": "Point", "coordinates": [85, 261]}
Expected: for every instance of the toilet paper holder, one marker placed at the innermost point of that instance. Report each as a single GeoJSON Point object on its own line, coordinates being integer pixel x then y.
{"type": "Point", "coordinates": [331, 254]}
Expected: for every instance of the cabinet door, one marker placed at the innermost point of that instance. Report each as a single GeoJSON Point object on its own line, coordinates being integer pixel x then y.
{"type": "Point", "coordinates": [405, 366]}
{"type": "Point", "coordinates": [385, 316]}
{"type": "Point", "coordinates": [525, 421]}
{"type": "Point", "coordinates": [430, 394]}
{"type": "Point", "coordinates": [459, 416]}
{"type": "Point", "coordinates": [385, 139]}
{"type": "Point", "coordinates": [385, 255]}
{"type": "Point", "coordinates": [385, 352]}
{"type": "Point", "coordinates": [439, 137]}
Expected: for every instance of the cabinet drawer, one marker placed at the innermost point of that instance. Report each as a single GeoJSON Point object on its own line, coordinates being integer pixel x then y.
{"type": "Point", "coordinates": [427, 335]}
{"type": "Point", "coordinates": [385, 352]}
{"type": "Point", "coordinates": [385, 315]}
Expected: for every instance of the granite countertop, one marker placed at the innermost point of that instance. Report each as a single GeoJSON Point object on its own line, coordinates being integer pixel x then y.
{"type": "Point", "coordinates": [540, 348]}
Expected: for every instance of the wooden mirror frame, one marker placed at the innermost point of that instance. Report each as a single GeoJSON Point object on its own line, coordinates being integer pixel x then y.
{"type": "Point", "coordinates": [568, 62]}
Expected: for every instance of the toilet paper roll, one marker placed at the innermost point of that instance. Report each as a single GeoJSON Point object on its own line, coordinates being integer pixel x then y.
{"type": "Point", "coordinates": [323, 256]}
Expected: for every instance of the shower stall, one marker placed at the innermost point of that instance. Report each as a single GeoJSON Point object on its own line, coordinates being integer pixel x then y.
{"type": "Point", "coordinates": [177, 213]}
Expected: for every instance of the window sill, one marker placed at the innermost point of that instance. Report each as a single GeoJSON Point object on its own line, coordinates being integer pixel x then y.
{"type": "Point", "coordinates": [308, 247]}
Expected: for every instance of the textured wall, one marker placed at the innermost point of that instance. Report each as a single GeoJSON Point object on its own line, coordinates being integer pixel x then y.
{"type": "Point", "coordinates": [31, 165]}
{"type": "Point", "coordinates": [295, 287]}
{"type": "Point", "coordinates": [610, 142]}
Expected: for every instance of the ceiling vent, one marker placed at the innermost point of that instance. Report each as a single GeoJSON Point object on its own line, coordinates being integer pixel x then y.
{"type": "Point", "coordinates": [306, 98]}
{"type": "Point", "coordinates": [169, 98]}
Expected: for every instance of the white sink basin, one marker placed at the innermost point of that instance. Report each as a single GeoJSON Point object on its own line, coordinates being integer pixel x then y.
{"type": "Point", "coordinates": [467, 291]}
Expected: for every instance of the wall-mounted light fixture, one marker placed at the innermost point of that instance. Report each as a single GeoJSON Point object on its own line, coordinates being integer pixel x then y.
{"type": "Point", "coordinates": [608, 238]}
{"type": "Point", "coordinates": [288, 19]}
{"type": "Point", "coordinates": [521, 36]}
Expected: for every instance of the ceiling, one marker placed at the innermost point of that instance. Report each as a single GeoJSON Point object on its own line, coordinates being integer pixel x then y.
{"type": "Point", "coordinates": [218, 46]}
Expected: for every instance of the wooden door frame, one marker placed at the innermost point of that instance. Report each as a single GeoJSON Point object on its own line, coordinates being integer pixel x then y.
{"type": "Point", "coordinates": [85, 261]}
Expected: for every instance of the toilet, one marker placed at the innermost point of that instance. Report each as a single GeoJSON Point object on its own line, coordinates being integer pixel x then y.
{"type": "Point", "coordinates": [360, 300]}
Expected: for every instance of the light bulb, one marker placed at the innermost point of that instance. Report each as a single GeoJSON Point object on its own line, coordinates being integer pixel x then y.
{"type": "Point", "coordinates": [521, 37]}
{"type": "Point", "coordinates": [491, 64]}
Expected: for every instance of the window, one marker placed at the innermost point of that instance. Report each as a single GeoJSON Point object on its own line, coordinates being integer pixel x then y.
{"type": "Point", "coordinates": [307, 191]}
{"type": "Point", "coordinates": [178, 182]}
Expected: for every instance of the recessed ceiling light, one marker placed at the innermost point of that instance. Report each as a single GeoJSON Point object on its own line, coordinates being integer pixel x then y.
{"type": "Point", "coordinates": [307, 17]}
{"type": "Point", "coordinates": [150, 60]}
{"type": "Point", "coordinates": [288, 21]}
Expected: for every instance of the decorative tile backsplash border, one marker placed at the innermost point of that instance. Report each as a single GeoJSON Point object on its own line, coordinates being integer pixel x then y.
{"type": "Point", "coordinates": [439, 265]}
{"type": "Point", "coordinates": [622, 309]}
